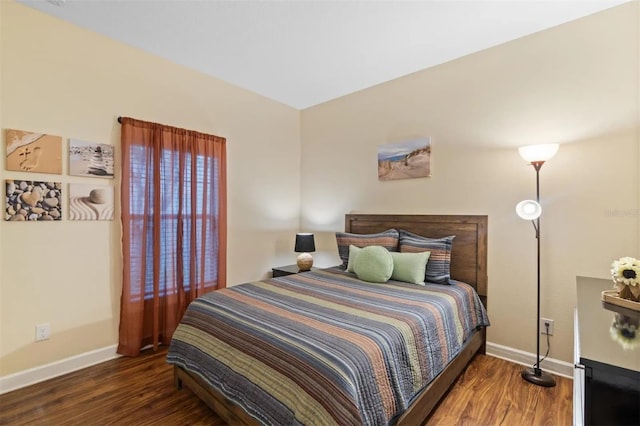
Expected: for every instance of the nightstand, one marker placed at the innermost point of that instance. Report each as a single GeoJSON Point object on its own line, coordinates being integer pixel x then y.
{"type": "Point", "coordinates": [282, 271]}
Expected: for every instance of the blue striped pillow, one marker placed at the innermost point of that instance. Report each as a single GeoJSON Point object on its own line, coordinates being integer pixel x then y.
{"type": "Point", "coordinates": [439, 263]}
{"type": "Point", "coordinates": [387, 239]}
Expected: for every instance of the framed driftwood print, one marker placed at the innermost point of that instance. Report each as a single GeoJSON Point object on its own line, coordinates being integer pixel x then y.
{"type": "Point", "coordinates": [90, 159]}
{"type": "Point", "coordinates": [90, 202]}
{"type": "Point", "coordinates": [33, 152]}
{"type": "Point", "coordinates": [405, 160]}
{"type": "Point", "coordinates": [28, 200]}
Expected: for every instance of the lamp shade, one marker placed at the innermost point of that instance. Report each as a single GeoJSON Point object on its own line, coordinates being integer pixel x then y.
{"type": "Point", "coordinates": [305, 243]}
{"type": "Point", "coordinates": [529, 209]}
{"type": "Point", "coordinates": [538, 153]}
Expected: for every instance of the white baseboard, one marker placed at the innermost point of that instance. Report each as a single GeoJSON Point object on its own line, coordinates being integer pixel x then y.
{"type": "Point", "coordinates": [550, 365]}
{"type": "Point", "coordinates": [87, 359]}
{"type": "Point", "coordinates": [48, 371]}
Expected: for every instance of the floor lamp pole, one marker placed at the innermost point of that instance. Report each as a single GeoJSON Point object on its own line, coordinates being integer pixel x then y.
{"type": "Point", "coordinates": [535, 375]}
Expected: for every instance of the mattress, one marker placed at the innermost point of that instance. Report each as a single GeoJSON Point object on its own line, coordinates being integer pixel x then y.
{"type": "Point", "coordinates": [322, 347]}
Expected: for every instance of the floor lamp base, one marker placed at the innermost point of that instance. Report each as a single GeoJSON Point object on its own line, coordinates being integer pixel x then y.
{"type": "Point", "coordinates": [540, 379]}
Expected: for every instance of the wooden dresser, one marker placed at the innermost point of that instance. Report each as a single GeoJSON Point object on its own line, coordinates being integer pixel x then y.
{"type": "Point", "coordinates": [606, 389]}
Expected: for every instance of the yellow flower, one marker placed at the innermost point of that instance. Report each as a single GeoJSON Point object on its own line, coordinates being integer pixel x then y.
{"type": "Point", "coordinates": [626, 270]}
{"type": "Point", "coordinates": [626, 278]}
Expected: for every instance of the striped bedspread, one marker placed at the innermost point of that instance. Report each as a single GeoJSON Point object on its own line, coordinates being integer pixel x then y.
{"type": "Point", "coordinates": [324, 348]}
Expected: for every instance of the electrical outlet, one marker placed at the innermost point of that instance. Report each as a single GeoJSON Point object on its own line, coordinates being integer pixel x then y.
{"type": "Point", "coordinates": [543, 326]}
{"type": "Point", "coordinates": [43, 332]}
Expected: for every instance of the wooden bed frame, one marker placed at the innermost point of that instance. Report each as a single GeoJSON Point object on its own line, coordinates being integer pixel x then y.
{"type": "Point", "coordinates": [468, 264]}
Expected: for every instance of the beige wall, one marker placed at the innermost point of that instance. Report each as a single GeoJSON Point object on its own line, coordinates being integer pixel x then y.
{"type": "Point", "coordinates": [576, 85]}
{"type": "Point", "coordinates": [60, 79]}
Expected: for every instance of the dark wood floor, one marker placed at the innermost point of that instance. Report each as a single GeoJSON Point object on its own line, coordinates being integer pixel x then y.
{"type": "Point", "coordinates": [140, 391]}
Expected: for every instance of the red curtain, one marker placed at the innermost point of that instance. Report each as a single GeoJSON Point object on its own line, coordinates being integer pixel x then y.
{"type": "Point", "coordinates": [174, 227]}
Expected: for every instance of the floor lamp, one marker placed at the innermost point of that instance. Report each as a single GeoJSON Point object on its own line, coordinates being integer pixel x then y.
{"type": "Point", "coordinates": [531, 210]}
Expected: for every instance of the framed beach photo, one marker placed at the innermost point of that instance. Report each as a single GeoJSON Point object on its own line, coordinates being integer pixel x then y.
{"type": "Point", "coordinates": [405, 160]}
{"type": "Point", "coordinates": [33, 152]}
{"type": "Point", "coordinates": [90, 159]}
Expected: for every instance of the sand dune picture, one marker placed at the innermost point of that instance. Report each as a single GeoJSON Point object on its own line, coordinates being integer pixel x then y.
{"type": "Point", "coordinates": [33, 152]}
{"type": "Point", "coordinates": [405, 160]}
{"type": "Point", "coordinates": [90, 159]}
{"type": "Point", "coordinates": [90, 202]}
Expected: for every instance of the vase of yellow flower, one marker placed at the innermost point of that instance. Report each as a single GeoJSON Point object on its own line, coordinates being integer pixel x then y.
{"type": "Point", "coordinates": [626, 278]}
{"type": "Point", "coordinates": [625, 273]}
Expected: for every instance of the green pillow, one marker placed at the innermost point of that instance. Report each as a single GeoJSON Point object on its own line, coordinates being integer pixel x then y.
{"type": "Point", "coordinates": [373, 264]}
{"type": "Point", "coordinates": [409, 267]}
{"type": "Point", "coordinates": [353, 253]}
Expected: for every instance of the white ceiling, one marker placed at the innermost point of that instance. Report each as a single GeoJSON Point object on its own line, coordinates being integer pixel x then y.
{"type": "Point", "coordinates": [303, 53]}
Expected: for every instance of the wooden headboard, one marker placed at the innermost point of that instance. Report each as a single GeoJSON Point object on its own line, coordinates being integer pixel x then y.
{"type": "Point", "coordinates": [469, 251]}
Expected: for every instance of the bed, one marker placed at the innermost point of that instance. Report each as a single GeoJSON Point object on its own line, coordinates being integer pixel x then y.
{"type": "Point", "coordinates": [239, 351]}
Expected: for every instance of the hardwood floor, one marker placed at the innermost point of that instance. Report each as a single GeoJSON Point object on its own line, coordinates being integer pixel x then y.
{"type": "Point", "coordinates": [491, 392]}
{"type": "Point", "coordinates": [140, 391]}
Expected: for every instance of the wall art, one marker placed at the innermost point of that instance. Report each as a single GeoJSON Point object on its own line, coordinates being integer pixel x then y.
{"type": "Point", "coordinates": [90, 202]}
{"type": "Point", "coordinates": [33, 152]}
{"type": "Point", "coordinates": [90, 159]}
{"type": "Point", "coordinates": [28, 200]}
{"type": "Point", "coordinates": [405, 160]}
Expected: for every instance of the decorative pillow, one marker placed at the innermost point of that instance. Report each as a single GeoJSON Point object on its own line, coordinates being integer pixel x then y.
{"type": "Point", "coordinates": [373, 264]}
{"type": "Point", "coordinates": [353, 253]}
{"type": "Point", "coordinates": [439, 264]}
{"type": "Point", "coordinates": [410, 267]}
{"type": "Point", "coordinates": [387, 239]}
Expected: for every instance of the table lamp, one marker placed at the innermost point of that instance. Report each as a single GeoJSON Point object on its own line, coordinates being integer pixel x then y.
{"type": "Point", "coordinates": [304, 245]}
